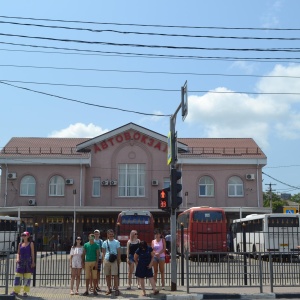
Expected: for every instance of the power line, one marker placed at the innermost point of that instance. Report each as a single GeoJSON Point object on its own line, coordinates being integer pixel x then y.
{"type": "Point", "coordinates": [154, 33]}
{"type": "Point", "coordinates": [148, 72]}
{"type": "Point", "coordinates": [149, 55]}
{"type": "Point", "coordinates": [292, 50]}
{"type": "Point", "coordinates": [85, 103]}
{"type": "Point", "coordinates": [292, 186]}
{"type": "Point", "coordinates": [149, 89]}
{"type": "Point", "coordinates": [152, 25]}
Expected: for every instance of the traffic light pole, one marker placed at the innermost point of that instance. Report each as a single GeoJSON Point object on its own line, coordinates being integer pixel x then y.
{"type": "Point", "coordinates": [173, 210]}
{"type": "Point", "coordinates": [174, 186]}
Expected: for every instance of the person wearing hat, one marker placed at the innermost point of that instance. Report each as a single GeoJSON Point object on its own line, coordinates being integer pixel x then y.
{"type": "Point", "coordinates": [25, 264]}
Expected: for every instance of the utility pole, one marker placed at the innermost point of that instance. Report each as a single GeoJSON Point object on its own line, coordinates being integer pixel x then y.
{"type": "Point", "coordinates": [174, 176]}
{"type": "Point", "coordinates": [270, 193]}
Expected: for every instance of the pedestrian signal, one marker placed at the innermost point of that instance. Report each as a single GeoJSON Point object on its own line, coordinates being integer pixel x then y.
{"type": "Point", "coordinates": [163, 199]}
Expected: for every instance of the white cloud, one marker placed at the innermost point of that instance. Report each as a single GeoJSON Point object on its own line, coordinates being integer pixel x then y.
{"type": "Point", "coordinates": [79, 130]}
{"type": "Point", "coordinates": [270, 18]}
{"type": "Point", "coordinates": [240, 115]}
{"type": "Point", "coordinates": [247, 67]}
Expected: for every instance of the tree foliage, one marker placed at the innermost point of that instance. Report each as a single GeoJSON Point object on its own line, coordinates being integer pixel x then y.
{"type": "Point", "coordinates": [277, 202]}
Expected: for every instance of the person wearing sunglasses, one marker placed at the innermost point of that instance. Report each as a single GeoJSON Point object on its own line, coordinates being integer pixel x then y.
{"type": "Point", "coordinates": [25, 264]}
{"type": "Point", "coordinates": [132, 245]}
{"type": "Point", "coordinates": [76, 264]}
{"type": "Point", "coordinates": [90, 258]}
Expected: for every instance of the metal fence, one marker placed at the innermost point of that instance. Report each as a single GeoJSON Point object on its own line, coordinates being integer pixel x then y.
{"type": "Point", "coordinates": [238, 269]}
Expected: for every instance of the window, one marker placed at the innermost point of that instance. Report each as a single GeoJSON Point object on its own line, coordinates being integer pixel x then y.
{"type": "Point", "coordinates": [235, 187]}
{"type": "Point", "coordinates": [56, 186]}
{"type": "Point", "coordinates": [96, 187]}
{"type": "Point", "coordinates": [131, 180]}
{"type": "Point", "coordinates": [27, 187]}
{"type": "Point", "coordinates": [206, 187]}
{"type": "Point", "coordinates": [167, 182]}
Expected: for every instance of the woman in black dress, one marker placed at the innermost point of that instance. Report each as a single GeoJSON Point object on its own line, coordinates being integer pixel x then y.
{"type": "Point", "coordinates": [144, 259]}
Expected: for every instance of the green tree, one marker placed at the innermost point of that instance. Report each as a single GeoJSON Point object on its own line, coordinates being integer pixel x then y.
{"type": "Point", "coordinates": [296, 198]}
{"type": "Point", "coordinates": [277, 202]}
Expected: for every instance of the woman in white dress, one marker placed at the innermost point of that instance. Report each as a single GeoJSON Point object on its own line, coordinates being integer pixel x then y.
{"type": "Point", "coordinates": [76, 264]}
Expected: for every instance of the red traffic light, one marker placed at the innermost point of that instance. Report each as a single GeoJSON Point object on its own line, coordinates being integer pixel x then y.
{"type": "Point", "coordinates": [163, 199]}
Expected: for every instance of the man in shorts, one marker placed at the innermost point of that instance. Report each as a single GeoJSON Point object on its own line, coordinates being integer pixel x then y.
{"type": "Point", "coordinates": [90, 259]}
{"type": "Point", "coordinates": [111, 268]}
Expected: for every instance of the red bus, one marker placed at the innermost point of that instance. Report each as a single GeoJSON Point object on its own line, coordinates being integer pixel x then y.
{"type": "Point", "coordinates": [140, 220]}
{"type": "Point", "coordinates": [204, 230]}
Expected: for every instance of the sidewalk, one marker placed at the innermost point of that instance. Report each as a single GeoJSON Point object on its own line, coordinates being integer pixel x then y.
{"type": "Point", "coordinates": [45, 293]}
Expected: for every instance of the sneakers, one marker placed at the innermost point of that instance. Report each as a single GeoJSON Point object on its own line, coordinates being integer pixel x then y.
{"type": "Point", "coordinates": [95, 293]}
{"type": "Point", "coordinates": [86, 293]}
{"type": "Point", "coordinates": [13, 294]}
{"type": "Point", "coordinates": [25, 295]}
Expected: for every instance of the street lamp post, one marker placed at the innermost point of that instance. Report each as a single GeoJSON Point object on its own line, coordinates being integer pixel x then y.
{"type": "Point", "coordinates": [74, 218]}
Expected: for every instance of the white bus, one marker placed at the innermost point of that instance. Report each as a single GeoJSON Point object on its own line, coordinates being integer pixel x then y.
{"type": "Point", "coordinates": [9, 233]}
{"type": "Point", "coordinates": [268, 233]}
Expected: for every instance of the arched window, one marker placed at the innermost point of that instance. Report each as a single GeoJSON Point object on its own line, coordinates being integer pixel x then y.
{"type": "Point", "coordinates": [56, 186]}
{"type": "Point", "coordinates": [27, 186]}
{"type": "Point", "coordinates": [206, 187]}
{"type": "Point", "coordinates": [235, 187]}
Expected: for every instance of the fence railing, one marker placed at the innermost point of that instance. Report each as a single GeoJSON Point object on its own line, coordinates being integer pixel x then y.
{"type": "Point", "coordinates": [238, 269]}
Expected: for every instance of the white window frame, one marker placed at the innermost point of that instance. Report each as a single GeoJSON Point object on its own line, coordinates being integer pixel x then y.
{"type": "Point", "coordinates": [27, 186]}
{"type": "Point", "coordinates": [132, 178]}
{"type": "Point", "coordinates": [208, 184]}
{"type": "Point", "coordinates": [96, 186]}
{"type": "Point", "coordinates": [235, 187]}
{"type": "Point", "coordinates": [56, 186]}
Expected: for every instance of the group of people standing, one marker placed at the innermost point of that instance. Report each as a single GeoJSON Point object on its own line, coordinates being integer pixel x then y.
{"type": "Point", "coordinates": [143, 259]}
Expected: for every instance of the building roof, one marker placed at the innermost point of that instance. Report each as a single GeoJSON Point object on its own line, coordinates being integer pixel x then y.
{"type": "Point", "coordinates": [216, 147]}
{"type": "Point", "coordinates": [42, 147]}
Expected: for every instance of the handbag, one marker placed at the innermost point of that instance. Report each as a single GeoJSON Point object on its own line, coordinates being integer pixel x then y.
{"type": "Point", "coordinates": [112, 257]}
{"type": "Point", "coordinates": [167, 257]}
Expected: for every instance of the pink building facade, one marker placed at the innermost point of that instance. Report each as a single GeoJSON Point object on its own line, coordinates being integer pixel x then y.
{"type": "Point", "coordinates": [54, 180]}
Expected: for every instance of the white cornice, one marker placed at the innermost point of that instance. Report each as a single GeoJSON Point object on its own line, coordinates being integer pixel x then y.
{"type": "Point", "coordinates": [46, 161]}
{"type": "Point", "coordinates": [222, 161]}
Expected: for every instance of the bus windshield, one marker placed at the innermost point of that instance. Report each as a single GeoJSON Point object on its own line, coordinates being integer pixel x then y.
{"type": "Point", "coordinates": [205, 216]}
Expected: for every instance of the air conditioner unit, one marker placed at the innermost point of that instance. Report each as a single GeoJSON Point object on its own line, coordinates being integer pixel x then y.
{"type": "Point", "coordinates": [250, 176]}
{"type": "Point", "coordinates": [12, 175]}
{"type": "Point", "coordinates": [105, 182]}
{"type": "Point", "coordinates": [113, 182]}
{"type": "Point", "coordinates": [154, 182]}
{"type": "Point", "coordinates": [31, 202]}
{"type": "Point", "coordinates": [69, 181]}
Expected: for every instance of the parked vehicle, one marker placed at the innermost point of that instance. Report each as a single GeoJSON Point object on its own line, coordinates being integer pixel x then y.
{"type": "Point", "coordinates": [267, 233]}
{"type": "Point", "coordinates": [204, 230]}
{"type": "Point", "coordinates": [140, 220]}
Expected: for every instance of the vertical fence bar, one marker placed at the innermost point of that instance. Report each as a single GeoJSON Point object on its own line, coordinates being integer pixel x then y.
{"type": "Point", "coordinates": [182, 254]}
{"type": "Point", "coordinates": [7, 272]}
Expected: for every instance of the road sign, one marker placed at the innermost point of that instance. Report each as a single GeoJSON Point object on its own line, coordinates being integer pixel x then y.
{"type": "Point", "coordinates": [289, 210]}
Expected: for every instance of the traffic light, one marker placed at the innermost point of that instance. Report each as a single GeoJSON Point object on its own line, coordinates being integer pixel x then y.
{"type": "Point", "coordinates": [175, 188]}
{"type": "Point", "coordinates": [163, 199]}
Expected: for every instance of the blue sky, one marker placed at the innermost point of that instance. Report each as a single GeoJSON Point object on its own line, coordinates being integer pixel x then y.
{"type": "Point", "coordinates": [237, 93]}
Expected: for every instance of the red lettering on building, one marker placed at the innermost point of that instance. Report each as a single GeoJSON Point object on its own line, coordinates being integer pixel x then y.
{"type": "Point", "coordinates": [151, 142]}
{"type": "Point", "coordinates": [104, 145]}
{"type": "Point", "coordinates": [143, 139]}
{"type": "Point", "coordinates": [127, 136]}
{"type": "Point", "coordinates": [96, 148]}
{"type": "Point", "coordinates": [157, 146]}
{"type": "Point", "coordinates": [111, 141]}
{"type": "Point", "coordinates": [119, 138]}
{"type": "Point", "coordinates": [136, 136]}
